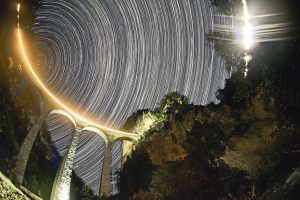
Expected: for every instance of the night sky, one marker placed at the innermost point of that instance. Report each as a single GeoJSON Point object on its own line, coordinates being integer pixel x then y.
{"type": "Point", "coordinates": [107, 59]}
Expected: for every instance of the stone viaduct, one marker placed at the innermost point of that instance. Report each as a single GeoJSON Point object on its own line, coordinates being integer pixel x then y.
{"type": "Point", "coordinates": [61, 186]}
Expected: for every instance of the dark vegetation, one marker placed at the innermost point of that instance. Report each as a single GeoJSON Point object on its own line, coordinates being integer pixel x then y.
{"type": "Point", "coordinates": [137, 173]}
{"type": "Point", "coordinates": [227, 7]}
{"type": "Point", "coordinates": [275, 70]}
{"type": "Point", "coordinates": [6, 137]}
{"type": "Point", "coordinates": [274, 67]}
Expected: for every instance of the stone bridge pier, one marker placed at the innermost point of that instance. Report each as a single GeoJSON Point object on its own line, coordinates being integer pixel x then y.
{"type": "Point", "coordinates": [105, 179]}
{"type": "Point", "coordinates": [61, 186]}
{"type": "Point", "coordinates": [14, 93]}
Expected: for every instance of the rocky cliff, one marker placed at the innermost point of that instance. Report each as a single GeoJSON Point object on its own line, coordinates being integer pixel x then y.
{"type": "Point", "coordinates": [212, 152]}
{"type": "Point", "coordinates": [8, 191]}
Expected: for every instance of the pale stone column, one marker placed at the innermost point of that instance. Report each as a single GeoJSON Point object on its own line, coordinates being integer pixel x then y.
{"type": "Point", "coordinates": [61, 187]}
{"type": "Point", "coordinates": [14, 93]}
{"type": "Point", "coordinates": [105, 177]}
{"type": "Point", "coordinates": [26, 147]}
{"type": "Point", "coordinates": [54, 186]}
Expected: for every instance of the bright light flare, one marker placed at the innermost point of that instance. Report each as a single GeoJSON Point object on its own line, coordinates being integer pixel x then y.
{"type": "Point", "coordinates": [247, 58]}
{"type": "Point", "coordinates": [18, 7]}
{"type": "Point", "coordinates": [247, 28]}
{"type": "Point", "coordinates": [245, 73]}
{"type": "Point", "coordinates": [248, 38]}
{"type": "Point", "coordinates": [55, 99]}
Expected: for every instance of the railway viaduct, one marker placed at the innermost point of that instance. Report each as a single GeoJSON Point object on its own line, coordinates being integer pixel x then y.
{"type": "Point", "coordinates": [61, 186]}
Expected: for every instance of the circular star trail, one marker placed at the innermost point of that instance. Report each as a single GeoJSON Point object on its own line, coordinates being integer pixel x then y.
{"type": "Point", "coordinates": [106, 59]}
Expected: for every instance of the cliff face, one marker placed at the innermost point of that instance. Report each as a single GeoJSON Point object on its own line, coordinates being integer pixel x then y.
{"type": "Point", "coordinates": [204, 148]}
{"type": "Point", "coordinates": [8, 191]}
{"type": "Point", "coordinates": [247, 134]}
{"type": "Point", "coordinates": [168, 145]}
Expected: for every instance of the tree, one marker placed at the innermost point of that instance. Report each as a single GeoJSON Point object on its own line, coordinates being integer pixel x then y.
{"type": "Point", "coordinates": [281, 82]}
{"type": "Point", "coordinates": [225, 46]}
{"type": "Point", "coordinates": [174, 103]}
{"type": "Point", "coordinates": [204, 144]}
{"type": "Point", "coordinates": [136, 173]}
{"type": "Point", "coordinates": [227, 7]}
{"type": "Point", "coordinates": [238, 90]}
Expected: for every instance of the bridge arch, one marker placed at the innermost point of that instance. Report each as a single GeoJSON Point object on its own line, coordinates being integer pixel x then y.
{"type": "Point", "coordinates": [134, 141]}
{"type": "Point", "coordinates": [98, 132]}
{"type": "Point", "coordinates": [61, 127]}
{"type": "Point", "coordinates": [58, 111]}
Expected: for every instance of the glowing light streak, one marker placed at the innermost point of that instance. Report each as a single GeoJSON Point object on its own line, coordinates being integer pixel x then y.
{"type": "Point", "coordinates": [55, 99]}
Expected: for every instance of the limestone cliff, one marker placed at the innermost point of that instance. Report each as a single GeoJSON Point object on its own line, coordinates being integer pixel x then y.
{"type": "Point", "coordinates": [235, 148]}
{"type": "Point", "coordinates": [167, 146]}
{"type": "Point", "coordinates": [248, 133]}
{"type": "Point", "coordinates": [9, 191]}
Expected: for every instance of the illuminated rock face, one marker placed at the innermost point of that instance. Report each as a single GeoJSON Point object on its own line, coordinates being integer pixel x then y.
{"type": "Point", "coordinates": [245, 142]}
{"type": "Point", "coordinates": [246, 126]}
{"type": "Point", "coordinates": [167, 146]}
{"type": "Point", "coordinates": [65, 178]}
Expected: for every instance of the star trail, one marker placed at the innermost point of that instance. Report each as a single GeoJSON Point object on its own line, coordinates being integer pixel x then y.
{"type": "Point", "coordinates": [107, 59]}
{"type": "Point", "coordinates": [88, 160]}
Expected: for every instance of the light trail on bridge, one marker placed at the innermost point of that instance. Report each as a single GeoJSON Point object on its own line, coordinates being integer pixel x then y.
{"type": "Point", "coordinates": [53, 97]}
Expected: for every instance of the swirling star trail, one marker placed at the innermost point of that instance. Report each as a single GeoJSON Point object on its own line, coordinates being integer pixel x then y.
{"type": "Point", "coordinates": [107, 59]}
